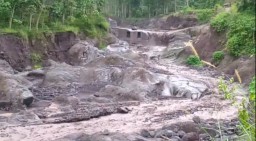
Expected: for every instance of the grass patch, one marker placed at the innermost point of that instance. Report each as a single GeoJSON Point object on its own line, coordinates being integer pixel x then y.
{"type": "Point", "coordinates": [59, 27]}
{"type": "Point", "coordinates": [19, 32]}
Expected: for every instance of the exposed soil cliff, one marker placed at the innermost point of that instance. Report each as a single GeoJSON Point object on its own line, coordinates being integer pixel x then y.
{"type": "Point", "coordinates": [18, 52]}
{"type": "Point", "coordinates": [209, 41]}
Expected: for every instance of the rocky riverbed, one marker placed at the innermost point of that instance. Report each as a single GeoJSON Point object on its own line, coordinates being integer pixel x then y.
{"type": "Point", "coordinates": [122, 93]}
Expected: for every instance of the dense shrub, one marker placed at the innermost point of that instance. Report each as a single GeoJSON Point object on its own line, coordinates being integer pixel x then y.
{"type": "Point", "coordinates": [220, 21]}
{"type": "Point", "coordinates": [203, 15]}
{"type": "Point", "coordinates": [194, 61]}
{"type": "Point", "coordinates": [240, 29]}
{"type": "Point", "coordinates": [241, 35]}
{"type": "Point", "coordinates": [93, 25]}
{"type": "Point", "coordinates": [218, 56]}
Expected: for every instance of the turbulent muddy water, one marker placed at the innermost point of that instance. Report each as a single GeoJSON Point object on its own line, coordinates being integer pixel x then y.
{"type": "Point", "coordinates": [116, 93]}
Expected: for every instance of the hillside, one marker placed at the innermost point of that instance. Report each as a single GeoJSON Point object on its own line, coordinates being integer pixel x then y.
{"type": "Point", "coordinates": [127, 70]}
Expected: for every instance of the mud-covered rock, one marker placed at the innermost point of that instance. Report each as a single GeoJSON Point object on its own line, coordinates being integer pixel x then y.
{"type": "Point", "coordinates": [165, 133]}
{"type": "Point", "coordinates": [138, 79]}
{"type": "Point", "coordinates": [5, 67]}
{"type": "Point", "coordinates": [117, 93]}
{"type": "Point", "coordinates": [196, 119]}
{"type": "Point", "coordinates": [24, 117]}
{"type": "Point", "coordinates": [176, 44]}
{"type": "Point", "coordinates": [145, 133]}
{"type": "Point", "coordinates": [14, 91]}
{"type": "Point", "coordinates": [110, 39]}
{"type": "Point", "coordinates": [177, 22]}
{"type": "Point", "coordinates": [102, 137]}
{"type": "Point", "coordinates": [192, 136]}
{"type": "Point", "coordinates": [111, 60]}
{"type": "Point", "coordinates": [61, 74]}
{"type": "Point", "coordinates": [36, 73]}
{"type": "Point", "coordinates": [82, 53]}
{"type": "Point", "coordinates": [118, 47]}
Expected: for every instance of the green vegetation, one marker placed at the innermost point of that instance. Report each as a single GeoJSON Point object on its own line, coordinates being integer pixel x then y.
{"type": "Point", "coordinates": [92, 25]}
{"type": "Point", "coordinates": [102, 45]}
{"type": "Point", "coordinates": [36, 60]}
{"type": "Point", "coordinates": [247, 114]}
{"type": "Point", "coordinates": [203, 15]}
{"type": "Point", "coordinates": [226, 89]}
{"type": "Point", "coordinates": [193, 60]}
{"type": "Point", "coordinates": [220, 21]}
{"type": "Point", "coordinates": [218, 56]}
{"type": "Point", "coordinates": [25, 17]}
{"type": "Point", "coordinates": [246, 107]}
{"type": "Point", "coordinates": [240, 29]}
{"type": "Point", "coordinates": [152, 8]}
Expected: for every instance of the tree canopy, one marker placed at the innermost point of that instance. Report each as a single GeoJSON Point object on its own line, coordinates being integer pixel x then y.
{"type": "Point", "coordinates": [35, 13]}
{"type": "Point", "coordinates": [150, 8]}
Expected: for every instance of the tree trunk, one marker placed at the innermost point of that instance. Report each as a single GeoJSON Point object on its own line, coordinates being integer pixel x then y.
{"type": "Point", "coordinates": [30, 21]}
{"type": "Point", "coordinates": [149, 12]}
{"type": "Point", "coordinates": [42, 25]}
{"type": "Point", "coordinates": [167, 9]}
{"type": "Point", "coordinates": [187, 2]}
{"type": "Point", "coordinates": [11, 18]}
{"type": "Point", "coordinates": [175, 5]}
{"type": "Point", "coordinates": [122, 13]}
{"type": "Point", "coordinates": [63, 18]}
{"type": "Point", "coordinates": [38, 18]}
{"type": "Point", "coordinates": [130, 11]}
{"type": "Point", "coordinates": [115, 10]}
{"type": "Point", "coordinates": [125, 11]}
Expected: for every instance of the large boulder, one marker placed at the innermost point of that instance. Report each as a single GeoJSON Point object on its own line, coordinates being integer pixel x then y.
{"type": "Point", "coordinates": [24, 117]}
{"type": "Point", "coordinates": [117, 93]}
{"type": "Point", "coordinates": [138, 79]}
{"type": "Point", "coordinates": [14, 91]}
{"type": "Point", "coordinates": [110, 39]}
{"type": "Point", "coordinates": [176, 44]}
{"type": "Point", "coordinates": [82, 53]}
{"type": "Point", "coordinates": [112, 23]}
{"type": "Point", "coordinates": [177, 22]}
{"type": "Point", "coordinates": [61, 75]}
{"type": "Point", "coordinates": [118, 47]}
{"type": "Point", "coordinates": [5, 67]}
{"type": "Point", "coordinates": [111, 61]}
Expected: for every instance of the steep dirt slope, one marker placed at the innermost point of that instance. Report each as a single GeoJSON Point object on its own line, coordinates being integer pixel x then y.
{"type": "Point", "coordinates": [18, 52]}
{"type": "Point", "coordinates": [209, 41]}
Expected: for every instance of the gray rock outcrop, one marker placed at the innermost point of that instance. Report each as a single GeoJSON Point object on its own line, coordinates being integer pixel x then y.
{"type": "Point", "coordinates": [14, 91]}
{"type": "Point", "coordinates": [82, 53]}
